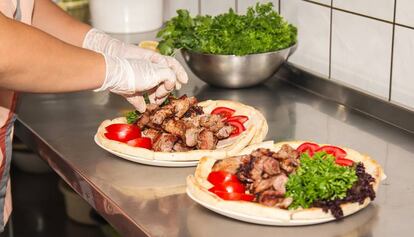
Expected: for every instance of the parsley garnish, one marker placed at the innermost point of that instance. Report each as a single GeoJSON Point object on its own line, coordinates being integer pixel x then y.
{"type": "Point", "coordinates": [260, 30]}
{"type": "Point", "coordinates": [132, 116]}
{"type": "Point", "coordinates": [319, 178]}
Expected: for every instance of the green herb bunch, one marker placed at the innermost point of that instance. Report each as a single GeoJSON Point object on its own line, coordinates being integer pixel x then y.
{"type": "Point", "coordinates": [319, 178]}
{"type": "Point", "coordinates": [260, 30]}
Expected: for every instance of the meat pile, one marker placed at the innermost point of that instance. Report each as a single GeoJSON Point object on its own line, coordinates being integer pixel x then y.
{"type": "Point", "coordinates": [264, 173]}
{"type": "Point", "coordinates": [181, 125]}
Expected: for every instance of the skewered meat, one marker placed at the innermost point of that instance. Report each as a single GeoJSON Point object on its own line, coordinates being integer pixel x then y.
{"type": "Point", "coordinates": [181, 106]}
{"type": "Point", "coordinates": [165, 142]}
{"type": "Point", "coordinates": [206, 140]}
{"type": "Point", "coordinates": [224, 132]}
{"type": "Point", "coordinates": [160, 115]}
{"type": "Point", "coordinates": [151, 133]}
{"type": "Point", "coordinates": [213, 122]}
{"type": "Point", "coordinates": [191, 136]}
{"type": "Point", "coordinates": [180, 147]}
{"type": "Point", "coordinates": [143, 120]}
{"type": "Point", "coordinates": [175, 127]}
{"type": "Point", "coordinates": [230, 165]}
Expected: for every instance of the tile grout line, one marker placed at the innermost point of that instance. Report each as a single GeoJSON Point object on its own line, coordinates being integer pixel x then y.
{"type": "Point", "coordinates": [280, 2]}
{"type": "Point", "coordinates": [236, 6]}
{"type": "Point", "coordinates": [199, 7]}
{"type": "Point", "coordinates": [392, 50]}
{"type": "Point", "coordinates": [330, 43]}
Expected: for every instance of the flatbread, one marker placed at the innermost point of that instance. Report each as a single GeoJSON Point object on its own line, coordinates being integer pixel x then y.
{"type": "Point", "coordinates": [198, 186]}
{"type": "Point", "coordinates": [256, 130]}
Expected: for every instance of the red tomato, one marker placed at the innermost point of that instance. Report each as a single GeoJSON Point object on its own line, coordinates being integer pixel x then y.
{"type": "Point", "coordinates": [229, 186]}
{"type": "Point", "coordinates": [223, 111]}
{"type": "Point", "coordinates": [344, 162]}
{"type": "Point", "coordinates": [218, 177]}
{"type": "Point", "coordinates": [239, 118]}
{"type": "Point", "coordinates": [122, 132]}
{"type": "Point", "coordinates": [238, 128]}
{"type": "Point", "coordinates": [308, 147]}
{"type": "Point", "coordinates": [234, 196]}
{"type": "Point", "coordinates": [143, 142]}
{"type": "Point", "coordinates": [334, 150]}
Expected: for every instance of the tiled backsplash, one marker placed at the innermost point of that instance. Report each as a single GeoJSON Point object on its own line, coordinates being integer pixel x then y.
{"type": "Point", "coordinates": [365, 44]}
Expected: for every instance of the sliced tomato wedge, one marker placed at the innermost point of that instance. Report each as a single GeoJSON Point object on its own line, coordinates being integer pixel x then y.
{"type": "Point", "coordinates": [333, 150]}
{"type": "Point", "coordinates": [223, 111]}
{"type": "Point", "coordinates": [239, 118]}
{"type": "Point", "coordinates": [308, 147]}
{"type": "Point", "coordinates": [144, 142]}
{"type": "Point", "coordinates": [229, 186]}
{"type": "Point", "coordinates": [234, 196]}
{"type": "Point", "coordinates": [344, 162]}
{"type": "Point", "coordinates": [218, 177]}
{"type": "Point", "coordinates": [238, 128]}
{"type": "Point", "coordinates": [122, 132]}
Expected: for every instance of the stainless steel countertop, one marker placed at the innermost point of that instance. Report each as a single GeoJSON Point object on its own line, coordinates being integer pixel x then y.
{"type": "Point", "coordinates": [139, 199]}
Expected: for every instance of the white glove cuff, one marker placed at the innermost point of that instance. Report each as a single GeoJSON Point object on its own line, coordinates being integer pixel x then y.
{"type": "Point", "coordinates": [99, 41]}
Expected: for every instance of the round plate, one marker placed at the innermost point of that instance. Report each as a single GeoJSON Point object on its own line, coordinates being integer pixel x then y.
{"type": "Point", "coordinates": [147, 161]}
{"type": "Point", "coordinates": [255, 219]}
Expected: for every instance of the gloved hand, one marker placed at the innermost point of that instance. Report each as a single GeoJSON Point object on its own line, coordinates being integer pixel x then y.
{"type": "Point", "coordinates": [98, 41]}
{"type": "Point", "coordinates": [131, 77]}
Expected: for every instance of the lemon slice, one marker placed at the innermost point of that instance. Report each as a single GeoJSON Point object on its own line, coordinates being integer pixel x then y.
{"type": "Point", "coordinates": [148, 44]}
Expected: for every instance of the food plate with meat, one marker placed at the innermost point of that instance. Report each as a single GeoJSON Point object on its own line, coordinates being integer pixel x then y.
{"type": "Point", "coordinates": [183, 130]}
{"type": "Point", "coordinates": [288, 183]}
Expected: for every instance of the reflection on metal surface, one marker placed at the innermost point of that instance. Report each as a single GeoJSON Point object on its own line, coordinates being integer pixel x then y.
{"type": "Point", "coordinates": [145, 200]}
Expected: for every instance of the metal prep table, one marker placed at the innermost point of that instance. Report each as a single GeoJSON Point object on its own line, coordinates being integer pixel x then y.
{"type": "Point", "coordinates": [140, 200]}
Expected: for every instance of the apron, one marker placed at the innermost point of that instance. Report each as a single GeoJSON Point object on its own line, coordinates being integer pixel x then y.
{"type": "Point", "coordinates": [20, 10]}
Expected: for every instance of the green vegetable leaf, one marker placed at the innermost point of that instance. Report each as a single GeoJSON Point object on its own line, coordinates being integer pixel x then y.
{"type": "Point", "coordinates": [260, 30]}
{"type": "Point", "coordinates": [319, 178]}
{"type": "Point", "coordinates": [132, 116]}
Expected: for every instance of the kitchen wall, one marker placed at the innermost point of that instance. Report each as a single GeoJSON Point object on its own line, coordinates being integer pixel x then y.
{"type": "Point", "coordinates": [364, 44]}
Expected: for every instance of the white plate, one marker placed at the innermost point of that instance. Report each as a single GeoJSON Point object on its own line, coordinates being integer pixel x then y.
{"type": "Point", "coordinates": [255, 219]}
{"type": "Point", "coordinates": [147, 161]}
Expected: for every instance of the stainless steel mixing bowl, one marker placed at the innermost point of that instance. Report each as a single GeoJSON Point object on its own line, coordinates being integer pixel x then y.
{"type": "Point", "coordinates": [232, 71]}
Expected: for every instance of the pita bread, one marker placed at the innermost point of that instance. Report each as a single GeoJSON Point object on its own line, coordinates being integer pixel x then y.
{"type": "Point", "coordinates": [197, 186]}
{"type": "Point", "coordinates": [256, 130]}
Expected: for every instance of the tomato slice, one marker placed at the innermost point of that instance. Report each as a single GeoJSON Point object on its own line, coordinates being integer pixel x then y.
{"type": "Point", "coordinates": [218, 177]}
{"type": "Point", "coordinates": [229, 186]}
{"type": "Point", "coordinates": [334, 150]}
{"type": "Point", "coordinates": [223, 112]}
{"type": "Point", "coordinates": [238, 128]}
{"type": "Point", "coordinates": [308, 147]}
{"type": "Point", "coordinates": [239, 118]}
{"type": "Point", "coordinates": [344, 162]}
{"type": "Point", "coordinates": [234, 196]}
{"type": "Point", "coordinates": [122, 132]}
{"type": "Point", "coordinates": [144, 142]}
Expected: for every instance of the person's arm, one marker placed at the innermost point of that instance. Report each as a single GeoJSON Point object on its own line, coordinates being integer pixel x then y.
{"type": "Point", "coordinates": [48, 17]}
{"type": "Point", "coordinates": [33, 61]}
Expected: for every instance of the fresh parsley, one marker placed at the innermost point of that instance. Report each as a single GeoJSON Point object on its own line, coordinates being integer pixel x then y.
{"type": "Point", "coordinates": [132, 116]}
{"type": "Point", "coordinates": [260, 30]}
{"type": "Point", "coordinates": [319, 178]}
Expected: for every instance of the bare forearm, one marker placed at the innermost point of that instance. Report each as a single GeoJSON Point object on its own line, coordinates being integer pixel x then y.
{"type": "Point", "coordinates": [48, 17]}
{"type": "Point", "coordinates": [33, 61]}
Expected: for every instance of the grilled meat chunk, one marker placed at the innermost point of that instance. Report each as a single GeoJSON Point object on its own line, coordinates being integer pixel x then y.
{"type": "Point", "coordinates": [206, 140]}
{"type": "Point", "coordinates": [181, 106]}
{"type": "Point", "coordinates": [180, 147]}
{"type": "Point", "coordinates": [160, 115]}
{"type": "Point", "coordinates": [231, 164]}
{"type": "Point", "coordinates": [286, 152]}
{"type": "Point", "coordinates": [175, 127]}
{"type": "Point", "coordinates": [165, 142]}
{"type": "Point", "coordinates": [212, 122]}
{"type": "Point", "coordinates": [191, 136]}
{"type": "Point", "coordinates": [151, 133]}
{"type": "Point", "coordinates": [224, 132]}
{"type": "Point", "coordinates": [270, 198]}
{"type": "Point", "coordinates": [194, 111]}
{"type": "Point", "coordinates": [192, 122]}
{"type": "Point", "coordinates": [261, 185]}
{"type": "Point", "coordinates": [279, 183]}
{"type": "Point", "coordinates": [143, 120]}
{"type": "Point", "coordinates": [152, 107]}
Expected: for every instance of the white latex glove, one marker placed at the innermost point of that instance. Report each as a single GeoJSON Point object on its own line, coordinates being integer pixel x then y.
{"type": "Point", "coordinates": [98, 41]}
{"type": "Point", "coordinates": [131, 77]}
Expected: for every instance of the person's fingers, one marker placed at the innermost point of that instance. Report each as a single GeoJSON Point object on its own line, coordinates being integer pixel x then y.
{"type": "Point", "coordinates": [178, 69]}
{"type": "Point", "coordinates": [162, 91]}
{"type": "Point", "coordinates": [178, 86]}
{"type": "Point", "coordinates": [152, 96]}
{"type": "Point", "coordinates": [161, 100]}
{"type": "Point", "coordinates": [137, 101]}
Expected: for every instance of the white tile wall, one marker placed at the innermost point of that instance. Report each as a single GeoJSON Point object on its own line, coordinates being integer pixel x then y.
{"type": "Point", "coordinates": [244, 4]}
{"type": "Point", "coordinates": [405, 12]}
{"type": "Point", "coordinates": [383, 9]}
{"type": "Point", "coordinates": [403, 67]}
{"type": "Point", "coordinates": [215, 7]}
{"type": "Point", "coordinates": [326, 2]}
{"type": "Point", "coordinates": [171, 6]}
{"type": "Point", "coordinates": [313, 22]}
{"type": "Point", "coordinates": [361, 52]}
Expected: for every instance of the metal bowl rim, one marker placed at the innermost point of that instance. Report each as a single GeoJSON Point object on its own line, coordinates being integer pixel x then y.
{"type": "Point", "coordinates": [236, 56]}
